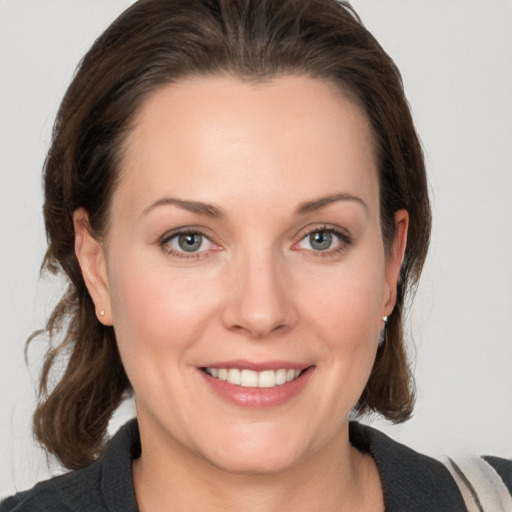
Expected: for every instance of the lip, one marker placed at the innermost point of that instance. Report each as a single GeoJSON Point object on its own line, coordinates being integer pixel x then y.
{"type": "Point", "coordinates": [257, 397]}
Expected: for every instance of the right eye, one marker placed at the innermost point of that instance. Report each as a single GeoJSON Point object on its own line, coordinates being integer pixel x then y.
{"type": "Point", "coordinates": [186, 244]}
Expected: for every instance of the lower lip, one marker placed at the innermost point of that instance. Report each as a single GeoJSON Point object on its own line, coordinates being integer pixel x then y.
{"type": "Point", "coordinates": [258, 397]}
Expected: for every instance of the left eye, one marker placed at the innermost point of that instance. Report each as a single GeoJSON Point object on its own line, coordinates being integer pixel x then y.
{"type": "Point", "coordinates": [321, 240]}
{"type": "Point", "coordinates": [189, 242]}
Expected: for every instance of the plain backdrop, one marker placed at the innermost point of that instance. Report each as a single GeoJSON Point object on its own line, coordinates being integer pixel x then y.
{"type": "Point", "coordinates": [456, 61]}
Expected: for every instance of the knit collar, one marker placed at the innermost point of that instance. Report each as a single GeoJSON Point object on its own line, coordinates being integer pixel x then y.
{"type": "Point", "coordinates": [411, 481]}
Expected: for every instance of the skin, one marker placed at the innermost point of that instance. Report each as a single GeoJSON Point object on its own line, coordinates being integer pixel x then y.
{"type": "Point", "coordinates": [257, 290]}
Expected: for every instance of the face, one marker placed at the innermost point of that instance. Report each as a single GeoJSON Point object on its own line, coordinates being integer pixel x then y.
{"type": "Point", "coordinates": [244, 269]}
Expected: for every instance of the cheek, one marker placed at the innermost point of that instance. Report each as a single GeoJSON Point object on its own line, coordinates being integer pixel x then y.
{"type": "Point", "coordinates": [156, 313]}
{"type": "Point", "coordinates": [344, 315]}
{"type": "Point", "coordinates": [346, 302]}
{"type": "Point", "coordinates": [158, 319]}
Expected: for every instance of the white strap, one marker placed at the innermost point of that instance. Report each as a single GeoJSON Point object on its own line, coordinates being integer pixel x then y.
{"type": "Point", "coordinates": [480, 485]}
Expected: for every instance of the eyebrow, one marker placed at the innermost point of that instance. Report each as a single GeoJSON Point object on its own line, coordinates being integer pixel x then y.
{"type": "Point", "coordinates": [192, 206]}
{"type": "Point", "coordinates": [322, 202]}
{"type": "Point", "coordinates": [212, 211]}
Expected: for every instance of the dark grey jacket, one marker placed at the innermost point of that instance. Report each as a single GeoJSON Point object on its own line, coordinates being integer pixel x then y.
{"type": "Point", "coordinates": [411, 482]}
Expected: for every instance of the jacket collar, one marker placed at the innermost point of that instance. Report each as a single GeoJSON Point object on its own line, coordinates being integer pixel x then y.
{"type": "Point", "coordinates": [411, 481]}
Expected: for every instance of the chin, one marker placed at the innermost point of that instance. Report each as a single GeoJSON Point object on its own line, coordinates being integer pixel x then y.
{"type": "Point", "coordinates": [267, 451]}
{"type": "Point", "coordinates": [255, 463]}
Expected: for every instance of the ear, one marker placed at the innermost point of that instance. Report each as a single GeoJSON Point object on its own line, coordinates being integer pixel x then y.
{"type": "Point", "coordinates": [394, 259]}
{"type": "Point", "coordinates": [91, 257]}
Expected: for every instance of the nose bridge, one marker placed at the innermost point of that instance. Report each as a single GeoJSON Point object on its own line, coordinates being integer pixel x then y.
{"type": "Point", "coordinates": [261, 301]}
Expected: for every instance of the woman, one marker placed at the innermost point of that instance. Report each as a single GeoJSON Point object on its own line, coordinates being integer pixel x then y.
{"type": "Point", "coordinates": [238, 197]}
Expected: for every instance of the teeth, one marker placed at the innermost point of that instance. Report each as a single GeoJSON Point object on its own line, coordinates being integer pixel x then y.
{"type": "Point", "coordinates": [251, 379]}
{"type": "Point", "coordinates": [234, 376]}
{"type": "Point", "coordinates": [267, 379]}
{"type": "Point", "coordinates": [280, 377]}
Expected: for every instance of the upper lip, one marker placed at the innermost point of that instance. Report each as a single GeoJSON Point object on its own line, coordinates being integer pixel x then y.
{"type": "Point", "coordinates": [257, 366]}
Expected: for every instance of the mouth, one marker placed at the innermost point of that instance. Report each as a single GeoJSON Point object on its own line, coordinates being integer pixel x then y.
{"type": "Point", "coordinates": [257, 385]}
{"type": "Point", "coordinates": [253, 379]}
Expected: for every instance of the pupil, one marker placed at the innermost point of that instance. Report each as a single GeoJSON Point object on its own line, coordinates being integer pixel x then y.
{"type": "Point", "coordinates": [320, 240]}
{"type": "Point", "coordinates": [190, 242]}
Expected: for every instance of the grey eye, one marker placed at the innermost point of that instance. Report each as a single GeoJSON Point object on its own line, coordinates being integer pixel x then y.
{"type": "Point", "coordinates": [190, 242]}
{"type": "Point", "coordinates": [320, 240]}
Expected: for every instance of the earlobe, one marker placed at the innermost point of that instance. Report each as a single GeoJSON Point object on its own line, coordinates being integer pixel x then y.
{"type": "Point", "coordinates": [395, 258]}
{"type": "Point", "coordinates": [91, 257]}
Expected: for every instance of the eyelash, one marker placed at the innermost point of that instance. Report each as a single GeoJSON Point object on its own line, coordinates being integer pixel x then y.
{"type": "Point", "coordinates": [167, 249]}
{"type": "Point", "coordinates": [344, 238]}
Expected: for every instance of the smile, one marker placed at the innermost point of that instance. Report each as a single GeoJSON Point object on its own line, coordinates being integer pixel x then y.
{"type": "Point", "coordinates": [252, 379]}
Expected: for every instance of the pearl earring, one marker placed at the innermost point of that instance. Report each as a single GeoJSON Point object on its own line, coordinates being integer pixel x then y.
{"type": "Point", "coordinates": [102, 313]}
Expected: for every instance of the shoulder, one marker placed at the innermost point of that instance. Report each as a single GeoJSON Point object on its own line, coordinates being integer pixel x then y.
{"type": "Point", "coordinates": [485, 482]}
{"type": "Point", "coordinates": [504, 469]}
{"type": "Point", "coordinates": [412, 481]}
{"type": "Point", "coordinates": [62, 493]}
{"type": "Point", "coordinates": [105, 485]}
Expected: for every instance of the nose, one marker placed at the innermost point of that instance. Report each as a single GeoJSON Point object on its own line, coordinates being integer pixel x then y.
{"type": "Point", "coordinates": [260, 301]}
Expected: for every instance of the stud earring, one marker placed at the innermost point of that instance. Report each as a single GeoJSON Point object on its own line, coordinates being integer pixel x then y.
{"type": "Point", "coordinates": [382, 335]}
{"type": "Point", "coordinates": [102, 313]}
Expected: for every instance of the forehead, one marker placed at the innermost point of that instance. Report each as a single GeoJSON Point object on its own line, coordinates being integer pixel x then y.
{"type": "Point", "coordinates": [218, 137]}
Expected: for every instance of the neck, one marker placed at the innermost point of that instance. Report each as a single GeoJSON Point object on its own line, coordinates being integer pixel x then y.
{"type": "Point", "coordinates": [336, 477]}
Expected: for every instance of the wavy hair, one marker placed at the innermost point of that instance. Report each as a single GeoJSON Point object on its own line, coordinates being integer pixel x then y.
{"type": "Point", "coordinates": [154, 43]}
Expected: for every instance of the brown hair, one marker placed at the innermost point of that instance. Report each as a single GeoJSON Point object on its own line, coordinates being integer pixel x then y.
{"type": "Point", "coordinates": [151, 44]}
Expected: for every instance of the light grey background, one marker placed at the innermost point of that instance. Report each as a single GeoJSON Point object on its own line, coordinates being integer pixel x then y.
{"type": "Point", "coordinates": [456, 60]}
